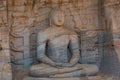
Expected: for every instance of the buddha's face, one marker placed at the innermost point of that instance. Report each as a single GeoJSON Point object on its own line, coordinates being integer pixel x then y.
{"type": "Point", "coordinates": [57, 18]}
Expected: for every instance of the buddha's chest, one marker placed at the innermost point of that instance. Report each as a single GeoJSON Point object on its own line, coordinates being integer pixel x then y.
{"type": "Point", "coordinates": [60, 41]}
{"type": "Point", "coordinates": [58, 48]}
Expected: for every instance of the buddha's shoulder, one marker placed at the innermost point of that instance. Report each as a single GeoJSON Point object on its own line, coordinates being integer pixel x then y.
{"type": "Point", "coordinates": [44, 32]}
{"type": "Point", "coordinates": [50, 30]}
{"type": "Point", "coordinates": [43, 35]}
{"type": "Point", "coordinates": [72, 34]}
{"type": "Point", "coordinates": [69, 31]}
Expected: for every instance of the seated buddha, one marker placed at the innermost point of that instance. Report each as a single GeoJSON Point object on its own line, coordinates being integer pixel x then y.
{"type": "Point", "coordinates": [58, 51]}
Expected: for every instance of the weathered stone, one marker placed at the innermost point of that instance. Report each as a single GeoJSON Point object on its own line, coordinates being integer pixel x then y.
{"type": "Point", "coordinates": [5, 66]}
{"type": "Point", "coordinates": [19, 9]}
{"type": "Point", "coordinates": [58, 60]}
{"type": "Point", "coordinates": [88, 18]}
{"type": "Point", "coordinates": [6, 71]}
{"type": "Point", "coordinates": [85, 78]}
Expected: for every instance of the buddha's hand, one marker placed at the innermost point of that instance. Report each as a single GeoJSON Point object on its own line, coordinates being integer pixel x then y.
{"type": "Point", "coordinates": [59, 65]}
{"type": "Point", "coordinates": [53, 64]}
{"type": "Point", "coordinates": [68, 65]}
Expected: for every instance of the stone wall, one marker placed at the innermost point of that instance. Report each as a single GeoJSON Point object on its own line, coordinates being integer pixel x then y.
{"type": "Point", "coordinates": [25, 18]}
{"type": "Point", "coordinates": [95, 22]}
{"type": "Point", "coordinates": [111, 57]}
{"type": "Point", "coordinates": [28, 17]}
{"type": "Point", "coordinates": [5, 62]}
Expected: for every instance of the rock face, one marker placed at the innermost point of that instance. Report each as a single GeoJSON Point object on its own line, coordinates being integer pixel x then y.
{"type": "Point", "coordinates": [85, 78]}
{"type": "Point", "coordinates": [29, 19]}
{"type": "Point", "coordinates": [58, 51]}
{"type": "Point", "coordinates": [96, 23]}
{"type": "Point", "coordinates": [5, 63]}
{"type": "Point", "coordinates": [111, 56]}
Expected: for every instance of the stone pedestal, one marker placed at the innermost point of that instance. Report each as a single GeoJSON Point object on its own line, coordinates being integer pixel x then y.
{"type": "Point", "coordinates": [81, 78]}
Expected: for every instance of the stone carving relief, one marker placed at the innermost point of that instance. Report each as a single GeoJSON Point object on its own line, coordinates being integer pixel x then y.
{"type": "Point", "coordinates": [115, 18]}
{"type": "Point", "coordinates": [27, 19]}
{"type": "Point", "coordinates": [22, 23]}
{"type": "Point", "coordinates": [112, 36]}
{"type": "Point", "coordinates": [5, 66]}
{"type": "Point", "coordinates": [59, 60]}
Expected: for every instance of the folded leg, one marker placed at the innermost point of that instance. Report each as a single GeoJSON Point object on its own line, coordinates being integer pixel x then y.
{"type": "Point", "coordinates": [87, 70]}
{"type": "Point", "coordinates": [43, 70]}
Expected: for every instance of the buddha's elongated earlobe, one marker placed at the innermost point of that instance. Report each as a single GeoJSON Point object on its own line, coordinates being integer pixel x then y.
{"type": "Point", "coordinates": [50, 21]}
{"type": "Point", "coordinates": [0, 46]}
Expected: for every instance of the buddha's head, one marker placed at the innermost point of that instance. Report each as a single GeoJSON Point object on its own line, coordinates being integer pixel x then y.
{"type": "Point", "coordinates": [57, 17]}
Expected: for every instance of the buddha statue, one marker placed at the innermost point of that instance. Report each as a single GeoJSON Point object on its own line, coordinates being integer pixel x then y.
{"type": "Point", "coordinates": [58, 52]}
